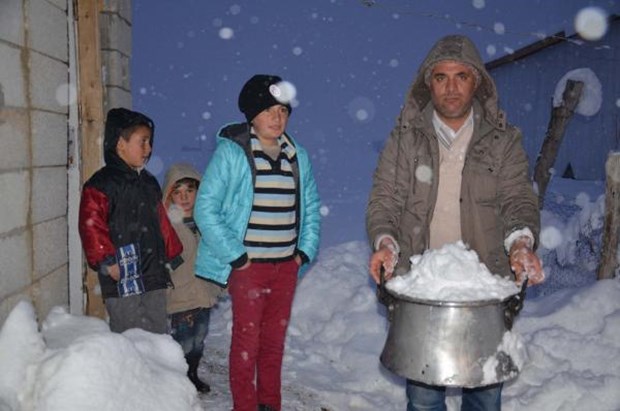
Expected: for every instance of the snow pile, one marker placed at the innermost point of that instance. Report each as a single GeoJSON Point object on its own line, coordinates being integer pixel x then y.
{"type": "Point", "coordinates": [76, 363]}
{"type": "Point", "coordinates": [337, 333]}
{"type": "Point", "coordinates": [452, 273]}
{"type": "Point", "coordinates": [21, 348]}
{"type": "Point", "coordinates": [572, 342]}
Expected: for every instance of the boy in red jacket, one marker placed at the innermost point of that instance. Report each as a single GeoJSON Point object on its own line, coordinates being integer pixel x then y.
{"type": "Point", "coordinates": [125, 231]}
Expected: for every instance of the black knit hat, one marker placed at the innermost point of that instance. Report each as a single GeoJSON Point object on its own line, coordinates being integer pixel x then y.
{"type": "Point", "coordinates": [259, 93]}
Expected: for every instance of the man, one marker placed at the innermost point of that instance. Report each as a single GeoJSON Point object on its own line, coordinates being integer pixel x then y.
{"type": "Point", "coordinates": [453, 169]}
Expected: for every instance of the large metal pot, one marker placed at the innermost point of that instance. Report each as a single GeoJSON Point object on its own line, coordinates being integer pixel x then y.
{"type": "Point", "coordinates": [448, 343]}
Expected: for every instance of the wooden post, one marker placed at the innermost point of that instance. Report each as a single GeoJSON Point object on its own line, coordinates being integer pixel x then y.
{"type": "Point", "coordinates": [611, 230]}
{"type": "Point", "coordinates": [560, 117]}
{"type": "Point", "coordinates": [91, 118]}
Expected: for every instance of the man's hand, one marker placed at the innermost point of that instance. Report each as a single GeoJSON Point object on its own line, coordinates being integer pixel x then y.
{"type": "Point", "coordinates": [524, 262]}
{"type": "Point", "coordinates": [386, 257]}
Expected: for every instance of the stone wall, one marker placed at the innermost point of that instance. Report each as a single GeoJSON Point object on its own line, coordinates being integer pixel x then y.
{"type": "Point", "coordinates": [115, 28]}
{"type": "Point", "coordinates": [35, 94]}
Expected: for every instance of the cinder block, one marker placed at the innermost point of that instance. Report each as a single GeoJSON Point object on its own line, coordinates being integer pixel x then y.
{"type": "Point", "coordinates": [50, 246]}
{"type": "Point", "coordinates": [116, 69]}
{"type": "Point", "coordinates": [14, 201]}
{"type": "Point", "coordinates": [121, 7]}
{"type": "Point", "coordinates": [50, 136]}
{"type": "Point", "coordinates": [115, 33]}
{"type": "Point", "coordinates": [49, 80]}
{"type": "Point", "coordinates": [14, 140]}
{"type": "Point", "coordinates": [49, 193]}
{"type": "Point", "coordinates": [12, 76]}
{"type": "Point", "coordinates": [116, 97]}
{"type": "Point", "coordinates": [48, 27]}
{"type": "Point", "coordinates": [16, 266]}
{"type": "Point", "coordinates": [51, 291]}
{"type": "Point", "coordinates": [12, 22]}
{"type": "Point", "coordinates": [62, 4]}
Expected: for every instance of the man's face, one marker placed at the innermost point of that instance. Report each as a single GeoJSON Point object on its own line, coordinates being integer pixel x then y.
{"type": "Point", "coordinates": [453, 85]}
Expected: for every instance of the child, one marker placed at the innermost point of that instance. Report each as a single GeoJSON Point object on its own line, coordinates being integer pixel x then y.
{"type": "Point", "coordinates": [259, 220]}
{"type": "Point", "coordinates": [125, 232]}
{"type": "Point", "coordinates": [191, 298]}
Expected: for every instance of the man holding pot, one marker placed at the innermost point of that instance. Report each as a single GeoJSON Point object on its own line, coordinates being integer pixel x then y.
{"type": "Point", "coordinates": [453, 169]}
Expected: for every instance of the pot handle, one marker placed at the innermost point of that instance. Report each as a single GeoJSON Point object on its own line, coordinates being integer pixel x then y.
{"type": "Point", "coordinates": [514, 306]}
{"type": "Point", "coordinates": [384, 296]}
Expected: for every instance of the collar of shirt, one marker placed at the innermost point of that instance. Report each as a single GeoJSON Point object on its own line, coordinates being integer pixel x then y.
{"type": "Point", "coordinates": [445, 134]}
{"type": "Point", "coordinates": [285, 145]}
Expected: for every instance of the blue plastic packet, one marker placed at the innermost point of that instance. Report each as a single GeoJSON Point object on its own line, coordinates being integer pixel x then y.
{"type": "Point", "coordinates": [130, 281]}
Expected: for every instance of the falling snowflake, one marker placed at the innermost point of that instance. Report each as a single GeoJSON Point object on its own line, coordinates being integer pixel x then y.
{"type": "Point", "coordinates": [478, 4]}
{"type": "Point", "coordinates": [226, 33]}
{"type": "Point", "coordinates": [591, 23]}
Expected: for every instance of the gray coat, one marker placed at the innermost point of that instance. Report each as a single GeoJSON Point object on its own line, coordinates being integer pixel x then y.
{"type": "Point", "coordinates": [496, 194]}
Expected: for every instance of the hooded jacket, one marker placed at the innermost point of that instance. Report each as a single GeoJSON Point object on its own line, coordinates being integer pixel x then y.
{"type": "Point", "coordinates": [496, 194]}
{"type": "Point", "coordinates": [122, 206]}
{"type": "Point", "coordinates": [189, 291]}
{"type": "Point", "coordinates": [224, 205]}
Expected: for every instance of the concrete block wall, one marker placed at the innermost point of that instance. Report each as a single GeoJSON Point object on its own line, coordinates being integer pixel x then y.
{"type": "Point", "coordinates": [34, 98]}
{"type": "Point", "coordinates": [115, 28]}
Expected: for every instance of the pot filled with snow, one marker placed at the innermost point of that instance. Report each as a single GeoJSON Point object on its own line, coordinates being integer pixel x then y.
{"type": "Point", "coordinates": [451, 321]}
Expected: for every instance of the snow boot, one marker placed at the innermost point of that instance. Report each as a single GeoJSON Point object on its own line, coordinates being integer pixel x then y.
{"type": "Point", "coordinates": [193, 361]}
{"type": "Point", "coordinates": [262, 407]}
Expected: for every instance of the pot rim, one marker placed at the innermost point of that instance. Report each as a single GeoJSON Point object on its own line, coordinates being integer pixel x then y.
{"type": "Point", "coordinates": [469, 303]}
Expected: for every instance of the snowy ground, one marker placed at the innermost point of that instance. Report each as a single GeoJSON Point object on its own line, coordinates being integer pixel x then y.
{"type": "Point", "coordinates": [571, 327]}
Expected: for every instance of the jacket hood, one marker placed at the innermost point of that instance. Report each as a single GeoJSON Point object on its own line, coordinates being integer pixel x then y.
{"type": "Point", "coordinates": [118, 120]}
{"type": "Point", "coordinates": [175, 173]}
{"type": "Point", "coordinates": [239, 132]}
{"type": "Point", "coordinates": [461, 49]}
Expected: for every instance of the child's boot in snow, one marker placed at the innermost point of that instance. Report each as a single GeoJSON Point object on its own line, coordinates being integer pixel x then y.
{"type": "Point", "coordinates": [193, 361]}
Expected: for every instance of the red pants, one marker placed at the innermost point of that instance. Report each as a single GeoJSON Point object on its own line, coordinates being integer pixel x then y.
{"type": "Point", "coordinates": [262, 296]}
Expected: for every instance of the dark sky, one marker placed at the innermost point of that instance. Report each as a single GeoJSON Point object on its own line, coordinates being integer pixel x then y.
{"type": "Point", "coordinates": [351, 62]}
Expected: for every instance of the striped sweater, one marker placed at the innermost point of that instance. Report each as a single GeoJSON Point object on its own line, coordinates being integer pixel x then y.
{"type": "Point", "coordinates": [272, 230]}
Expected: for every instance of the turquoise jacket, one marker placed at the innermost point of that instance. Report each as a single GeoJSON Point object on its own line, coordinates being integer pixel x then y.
{"type": "Point", "coordinates": [224, 203]}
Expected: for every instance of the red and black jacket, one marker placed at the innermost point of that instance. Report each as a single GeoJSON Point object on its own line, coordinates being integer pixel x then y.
{"type": "Point", "coordinates": [121, 206]}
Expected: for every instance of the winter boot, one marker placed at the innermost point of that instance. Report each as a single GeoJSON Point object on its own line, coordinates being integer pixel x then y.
{"type": "Point", "coordinates": [262, 407]}
{"type": "Point", "coordinates": [193, 361]}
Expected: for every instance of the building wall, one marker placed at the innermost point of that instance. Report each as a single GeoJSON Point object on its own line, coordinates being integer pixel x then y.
{"type": "Point", "coordinates": [115, 27]}
{"type": "Point", "coordinates": [34, 100]}
{"type": "Point", "coordinates": [39, 135]}
{"type": "Point", "coordinates": [526, 89]}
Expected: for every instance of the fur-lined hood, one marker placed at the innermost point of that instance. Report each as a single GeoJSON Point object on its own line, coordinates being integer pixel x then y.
{"type": "Point", "coordinates": [175, 173]}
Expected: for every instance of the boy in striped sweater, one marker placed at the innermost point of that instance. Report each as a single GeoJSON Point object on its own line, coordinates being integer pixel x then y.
{"type": "Point", "coordinates": [259, 219]}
